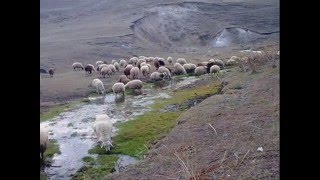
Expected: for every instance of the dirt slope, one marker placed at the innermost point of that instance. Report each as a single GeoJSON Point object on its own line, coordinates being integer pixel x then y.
{"type": "Point", "coordinates": [245, 117]}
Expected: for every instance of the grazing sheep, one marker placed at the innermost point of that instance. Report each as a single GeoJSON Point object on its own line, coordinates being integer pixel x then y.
{"type": "Point", "coordinates": [143, 64]}
{"type": "Point", "coordinates": [103, 130]}
{"type": "Point", "coordinates": [145, 70]}
{"type": "Point", "coordinates": [141, 57]}
{"type": "Point", "coordinates": [214, 69]}
{"type": "Point", "coordinates": [235, 58]}
{"type": "Point", "coordinates": [123, 79]}
{"type": "Point", "coordinates": [117, 66]}
{"type": "Point", "coordinates": [112, 67]}
{"type": "Point", "coordinates": [165, 71]}
{"type": "Point", "coordinates": [187, 67]}
{"type": "Point", "coordinates": [181, 61]}
{"type": "Point", "coordinates": [77, 65]}
{"type": "Point", "coordinates": [98, 84]}
{"type": "Point", "coordinates": [150, 59]}
{"type": "Point", "coordinates": [44, 141]}
{"type": "Point", "coordinates": [219, 63]}
{"type": "Point", "coordinates": [102, 117]}
{"type": "Point", "coordinates": [118, 88]}
{"type": "Point", "coordinates": [101, 66]}
{"type": "Point", "coordinates": [178, 69]}
{"type": "Point", "coordinates": [51, 71]}
{"type": "Point", "coordinates": [156, 76]}
{"type": "Point", "coordinates": [211, 60]}
{"type": "Point", "coordinates": [157, 63]}
{"type": "Point", "coordinates": [139, 62]}
{"type": "Point", "coordinates": [192, 67]}
{"type": "Point", "coordinates": [134, 84]}
{"type": "Point", "coordinates": [99, 62]}
{"type": "Point", "coordinates": [123, 63]}
{"type": "Point", "coordinates": [170, 60]}
{"type": "Point", "coordinates": [133, 60]}
{"type": "Point", "coordinates": [89, 68]}
{"type": "Point", "coordinates": [106, 71]}
{"type": "Point", "coordinates": [231, 62]}
{"type": "Point", "coordinates": [204, 63]}
{"type": "Point", "coordinates": [200, 70]}
{"type": "Point", "coordinates": [134, 72]}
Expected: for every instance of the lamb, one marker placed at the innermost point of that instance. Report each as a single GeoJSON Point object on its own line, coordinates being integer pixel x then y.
{"type": "Point", "coordinates": [123, 63]}
{"type": "Point", "coordinates": [214, 69]}
{"type": "Point", "coordinates": [145, 70]}
{"type": "Point", "coordinates": [200, 70]}
{"type": "Point", "coordinates": [156, 76]}
{"type": "Point", "coordinates": [117, 66]}
{"type": "Point", "coordinates": [103, 130]}
{"type": "Point", "coordinates": [181, 61]}
{"type": "Point", "coordinates": [178, 69]}
{"type": "Point", "coordinates": [123, 79]}
{"type": "Point", "coordinates": [99, 62]}
{"type": "Point", "coordinates": [98, 84]}
{"type": "Point", "coordinates": [51, 71]}
{"type": "Point", "coordinates": [134, 84]}
{"type": "Point", "coordinates": [106, 71]}
{"type": "Point", "coordinates": [44, 141]}
{"type": "Point", "coordinates": [77, 65]}
{"type": "Point", "coordinates": [169, 59]}
{"type": "Point", "coordinates": [134, 72]}
{"type": "Point", "coordinates": [89, 68]}
{"type": "Point", "coordinates": [118, 88]}
{"type": "Point", "coordinates": [165, 71]}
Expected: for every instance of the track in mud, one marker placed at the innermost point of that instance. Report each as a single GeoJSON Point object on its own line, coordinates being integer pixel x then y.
{"type": "Point", "coordinates": [73, 129]}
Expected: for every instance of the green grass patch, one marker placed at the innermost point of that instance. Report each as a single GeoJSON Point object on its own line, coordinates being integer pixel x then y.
{"type": "Point", "coordinates": [56, 110]}
{"type": "Point", "coordinates": [53, 148]}
{"type": "Point", "coordinates": [99, 168]}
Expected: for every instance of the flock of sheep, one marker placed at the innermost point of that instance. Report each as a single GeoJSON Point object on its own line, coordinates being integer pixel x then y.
{"type": "Point", "coordinates": [152, 68]}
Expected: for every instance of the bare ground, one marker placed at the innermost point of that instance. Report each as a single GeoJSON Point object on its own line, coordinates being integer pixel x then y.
{"type": "Point", "coordinates": [219, 138]}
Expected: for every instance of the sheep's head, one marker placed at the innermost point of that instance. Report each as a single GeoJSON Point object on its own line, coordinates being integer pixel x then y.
{"type": "Point", "coordinates": [107, 145]}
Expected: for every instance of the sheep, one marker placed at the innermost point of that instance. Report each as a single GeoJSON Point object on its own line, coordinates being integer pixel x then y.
{"type": "Point", "coordinates": [89, 68]}
{"type": "Point", "coordinates": [113, 61]}
{"type": "Point", "coordinates": [143, 64]}
{"type": "Point", "coordinates": [139, 62]}
{"type": "Point", "coordinates": [99, 62]}
{"type": "Point", "coordinates": [156, 76]}
{"type": "Point", "coordinates": [44, 141]}
{"type": "Point", "coordinates": [134, 84]}
{"type": "Point", "coordinates": [157, 63]}
{"type": "Point", "coordinates": [51, 71]}
{"type": "Point", "coordinates": [102, 117]}
{"type": "Point", "coordinates": [214, 69]}
{"type": "Point", "coordinates": [123, 79]}
{"type": "Point", "coordinates": [192, 67]}
{"type": "Point", "coordinates": [141, 57]}
{"type": "Point", "coordinates": [101, 66]}
{"type": "Point", "coordinates": [106, 71]}
{"type": "Point", "coordinates": [134, 72]}
{"type": "Point", "coordinates": [200, 70]}
{"type": "Point", "coordinates": [145, 70]}
{"type": "Point", "coordinates": [166, 72]}
{"type": "Point", "coordinates": [187, 67]}
{"type": "Point", "coordinates": [235, 58]}
{"type": "Point", "coordinates": [98, 84]}
{"type": "Point", "coordinates": [231, 62]}
{"type": "Point", "coordinates": [133, 60]}
{"type": "Point", "coordinates": [181, 61]}
{"type": "Point", "coordinates": [118, 88]}
{"type": "Point", "coordinates": [77, 65]}
{"type": "Point", "coordinates": [150, 59]}
{"type": "Point", "coordinates": [103, 130]}
{"type": "Point", "coordinates": [123, 63]}
{"type": "Point", "coordinates": [204, 63]}
{"type": "Point", "coordinates": [219, 63]}
{"type": "Point", "coordinates": [112, 67]}
{"type": "Point", "coordinates": [178, 69]}
{"type": "Point", "coordinates": [117, 66]}
{"type": "Point", "coordinates": [169, 59]}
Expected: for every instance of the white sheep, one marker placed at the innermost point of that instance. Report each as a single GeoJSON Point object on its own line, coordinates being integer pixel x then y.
{"type": "Point", "coordinates": [145, 70]}
{"type": "Point", "coordinates": [169, 59]}
{"type": "Point", "coordinates": [192, 67]}
{"type": "Point", "coordinates": [231, 62]}
{"type": "Point", "coordinates": [134, 84]}
{"type": "Point", "coordinates": [140, 61]}
{"type": "Point", "coordinates": [214, 69]}
{"type": "Point", "coordinates": [106, 71]}
{"type": "Point", "coordinates": [200, 70]}
{"type": "Point", "coordinates": [77, 65]}
{"type": "Point", "coordinates": [219, 63]}
{"type": "Point", "coordinates": [123, 79]}
{"type": "Point", "coordinates": [44, 142]}
{"type": "Point", "coordinates": [134, 72]}
{"type": "Point", "coordinates": [156, 76]}
{"type": "Point", "coordinates": [179, 69]}
{"type": "Point", "coordinates": [113, 61]}
{"type": "Point", "coordinates": [181, 61]}
{"type": "Point", "coordinates": [141, 57]}
{"type": "Point", "coordinates": [165, 71]}
{"type": "Point", "coordinates": [143, 64]}
{"type": "Point", "coordinates": [102, 117]}
{"type": "Point", "coordinates": [150, 59]}
{"type": "Point", "coordinates": [118, 88]}
{"type": "Point", "coordinates": [99, 62]}
{"type": "Point", "coordinates": [117, 66]}
{"type": "Point", "coordinates": [98, 84]}
{"type": "Point", "coordinates": [112, 67]}
{"type": "Point", "coordinates": [102, 66]}
{"type": "Point", "coordinates": [133, 60]}
{"type": "Point", "coordinates": [187, 67]}
{"type": "Point", "coordinates": [103, 130]}
{"type": "Point", "coordinates": [205, 63]}
{"type": "Point", "coordinates": [123, 63]}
